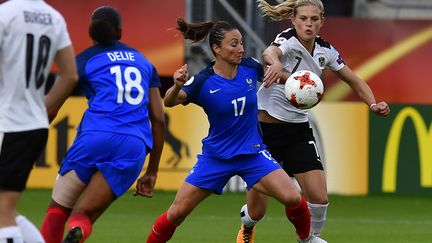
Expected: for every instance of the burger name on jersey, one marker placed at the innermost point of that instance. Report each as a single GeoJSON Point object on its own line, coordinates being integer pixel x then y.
{"type": "Point", "coordinates": [37, 18]}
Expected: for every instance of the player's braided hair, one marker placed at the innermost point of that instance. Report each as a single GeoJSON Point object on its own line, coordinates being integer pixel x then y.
{"type": "Point", "coordinates": [287, 9]}
{"type": "Point", "coordinates": [198, 31]}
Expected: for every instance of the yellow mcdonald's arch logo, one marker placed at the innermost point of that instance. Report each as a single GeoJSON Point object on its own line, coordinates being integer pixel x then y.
{"type": "Point", "coordinates": [424, 139]}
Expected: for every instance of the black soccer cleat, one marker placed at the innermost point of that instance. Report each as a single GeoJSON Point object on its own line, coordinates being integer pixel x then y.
{"type": "Point", "coordinates": [74, 235]}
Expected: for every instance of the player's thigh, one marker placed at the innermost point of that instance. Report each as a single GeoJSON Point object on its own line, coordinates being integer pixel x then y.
{"type": "Point", "coordinates": [313, 185]}
{"type": "Point", "coordinates": [96, 197]}
{"type": "Point", "coordinates": [278, 185]}
{"type": "Point", "coordinates": [297, 154]}
{"type": "Point", "coordinates": [67, 189]}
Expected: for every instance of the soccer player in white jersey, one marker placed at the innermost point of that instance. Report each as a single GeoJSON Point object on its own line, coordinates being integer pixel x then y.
{"type": "Point", "coordinates": [32, 36]}
{"type": "Point", "coordinates": [298, 48]}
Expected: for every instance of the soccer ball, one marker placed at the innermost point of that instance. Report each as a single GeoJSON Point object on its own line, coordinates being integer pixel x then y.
{"type": "Point", "coordinates": [304, 89]}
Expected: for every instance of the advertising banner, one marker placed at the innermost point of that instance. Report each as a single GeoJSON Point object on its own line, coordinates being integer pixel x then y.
{"type": "Point", "coordinates": [341, 139]}
{"type": "Point", "coordinates": [392, 56]}
{"type": "Point", "coordinates": [186, 126]}
{"type": "Point", "coordinates": [401, 151]}
{"type": "Point", "coordinates": [362, 152]}
{"type": "Point", "coordinates": [341, 130]}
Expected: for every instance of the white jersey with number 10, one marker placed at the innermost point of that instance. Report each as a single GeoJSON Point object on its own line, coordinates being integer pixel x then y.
{"type": "Point", "coordinates": [31, 33]}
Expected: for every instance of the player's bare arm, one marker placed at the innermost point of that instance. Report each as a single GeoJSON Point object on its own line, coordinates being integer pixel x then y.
{"type": "Point", "coordinates": [66, 80]}
{"type": "Point", "coordinates": [175, 95]}
{"type": "Point", "coordinates": [363, 90]}
{"type": "Point", "coordinates": [145, 184]}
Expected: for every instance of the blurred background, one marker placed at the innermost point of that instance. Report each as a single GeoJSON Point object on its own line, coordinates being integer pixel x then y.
{"type": "Point", "coordinates": [386, 42]}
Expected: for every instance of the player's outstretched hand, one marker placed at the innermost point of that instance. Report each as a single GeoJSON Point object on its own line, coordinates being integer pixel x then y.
{"type": "Point", "coordinates": [381, 108]}
{"type": "Point", "coordinates": [145, 186]}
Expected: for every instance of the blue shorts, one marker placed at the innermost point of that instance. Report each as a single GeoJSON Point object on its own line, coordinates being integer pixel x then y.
{"type": "Point", "coordinates": [213, 174]}
{"type": "Point", "coordinates": [118, 157]}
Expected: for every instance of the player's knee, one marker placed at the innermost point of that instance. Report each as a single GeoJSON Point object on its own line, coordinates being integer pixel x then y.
{"type": "Point", "coordinates": [292, 200]}
{"type": "Point", "coordinates": [318, 199]}
{"type": "Point", "coordinates": [57, 206]}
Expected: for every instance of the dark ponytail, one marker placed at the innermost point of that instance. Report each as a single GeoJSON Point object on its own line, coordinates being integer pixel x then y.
{"type": "Point", "coordinates": [194, 31]}
{"type": "Point", "coordinates": [198, 31]}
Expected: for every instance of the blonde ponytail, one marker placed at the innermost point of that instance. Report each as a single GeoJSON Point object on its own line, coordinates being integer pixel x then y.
{"type": "Point", "coordinates": [286, 10]}
{"type": "Point", "coordinates": [279, 12]}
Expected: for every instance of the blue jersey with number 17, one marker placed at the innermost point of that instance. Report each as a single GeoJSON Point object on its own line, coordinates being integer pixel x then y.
{"type": "Point", "coordinates": [116, 80]}
{"type": "Point", "coordinates": [231, 108]}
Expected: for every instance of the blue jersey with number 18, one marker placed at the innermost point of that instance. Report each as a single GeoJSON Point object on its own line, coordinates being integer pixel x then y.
{"type": "Point", "coordinates": [116, 80]}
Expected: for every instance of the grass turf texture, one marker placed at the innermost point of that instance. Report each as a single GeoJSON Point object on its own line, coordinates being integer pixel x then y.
{"type": "Point", "coordinates": [375, 218]}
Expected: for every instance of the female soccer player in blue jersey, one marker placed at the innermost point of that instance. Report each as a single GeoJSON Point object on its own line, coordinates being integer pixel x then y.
{"type": "Point", "coordinates": [297, 48]}
{"type": "Point", "coordinates": [226, 90]}
{"type": "Point", "coordinates": [123, 123]}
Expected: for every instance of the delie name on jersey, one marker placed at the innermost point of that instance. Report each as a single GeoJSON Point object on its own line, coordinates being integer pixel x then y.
{"type": "Point", "coordinates": [37, 18]}
{"type": "Point", "coordinates": [121, 56]}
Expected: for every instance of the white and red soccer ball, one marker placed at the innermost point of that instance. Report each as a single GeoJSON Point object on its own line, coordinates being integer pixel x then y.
{"type": "Point", "coordinates": [304, 89]}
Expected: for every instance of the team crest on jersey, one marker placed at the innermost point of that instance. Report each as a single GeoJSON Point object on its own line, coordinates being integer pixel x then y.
{"type": "Point", "coordinates": [249, 81]}
{"type": "Point", "coordinates": [321, 61]}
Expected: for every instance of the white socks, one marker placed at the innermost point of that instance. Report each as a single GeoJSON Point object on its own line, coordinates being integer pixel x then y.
{"type": "Point", "coordinates": [10, 234]}
{"type": "Point", "coordinates": [318, 217]}
{"type": "Point", "coordinates": [30, 233]}
{"type": "Point", "coordinates": [245, 218]}
{"type": "Point", "coordinates": [23, 232]}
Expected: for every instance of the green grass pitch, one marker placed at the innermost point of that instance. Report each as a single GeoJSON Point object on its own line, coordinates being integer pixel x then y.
{"type": "Point", "coordinates": [375, 218]}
